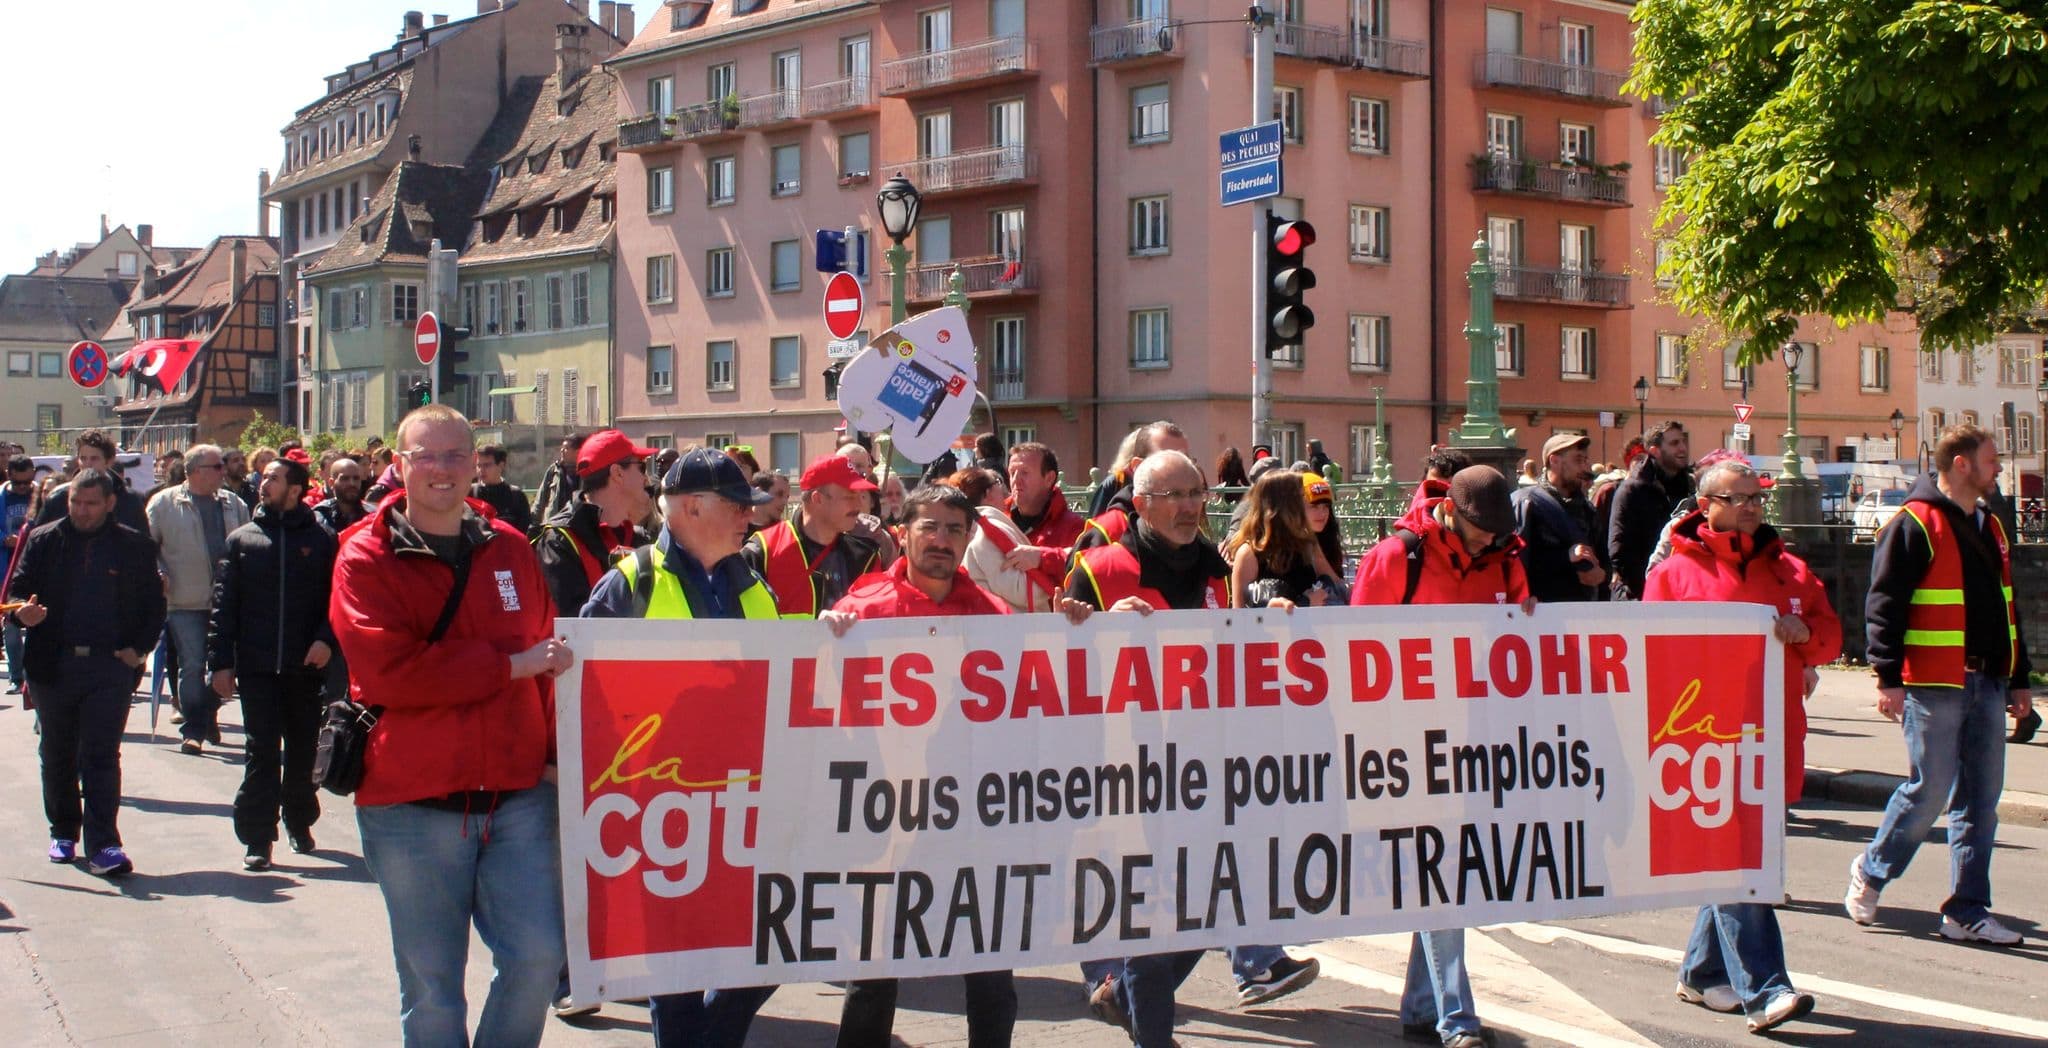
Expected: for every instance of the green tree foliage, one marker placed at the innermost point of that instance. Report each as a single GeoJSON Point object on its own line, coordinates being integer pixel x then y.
{"type": "Point", "coordinates": [1851, 157]}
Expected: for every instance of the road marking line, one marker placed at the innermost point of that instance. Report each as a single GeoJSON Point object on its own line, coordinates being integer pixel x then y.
{"type": "Point", "coordinates": [1899, 1002]}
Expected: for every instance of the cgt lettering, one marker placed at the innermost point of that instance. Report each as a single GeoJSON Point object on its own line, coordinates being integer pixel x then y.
{"type": "Point", "coordinates": [680, 854]}
{"type": "Point", "coordinates": [1708, 778]}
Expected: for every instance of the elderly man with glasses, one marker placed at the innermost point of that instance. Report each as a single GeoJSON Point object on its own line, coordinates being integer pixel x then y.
{"type": "Point", "coordinates": [190, 524]}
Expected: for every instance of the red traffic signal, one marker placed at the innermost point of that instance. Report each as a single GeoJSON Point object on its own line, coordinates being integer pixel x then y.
{"type": "Point", "coordinates": [1287, 277]}
{"type": "Point", "coordinates": [1289, 238]}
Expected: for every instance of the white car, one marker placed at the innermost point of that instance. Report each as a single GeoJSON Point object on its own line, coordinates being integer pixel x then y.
{"type": "Point", "coordinates": [1875, 510]}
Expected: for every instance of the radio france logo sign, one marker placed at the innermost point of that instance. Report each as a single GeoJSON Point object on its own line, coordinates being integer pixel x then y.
{"type": "Point", "coordinates": [917, 381]}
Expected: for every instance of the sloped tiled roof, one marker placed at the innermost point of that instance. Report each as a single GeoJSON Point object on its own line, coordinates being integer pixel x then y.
{"type": "Point", "coordinates": [440, 197]}
{"type": "Point", "coordinates": [656, 35]}
{"type": "Point", "coordinates": [56, 309]}
{"type": "Point", "coordinates": [202, 282]}
{"type": "Point", "coordinates": [399, 80]}
{"type": "Point", "coordinates": [544, 120]}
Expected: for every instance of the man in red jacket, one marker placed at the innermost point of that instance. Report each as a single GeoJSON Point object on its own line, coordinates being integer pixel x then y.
{"type": "Point", "coordinates": [1458, 549]}
{"type": "Point", "coordinates": [1724, 551]}
{"type": "Point", "coordinates": [457, 803]}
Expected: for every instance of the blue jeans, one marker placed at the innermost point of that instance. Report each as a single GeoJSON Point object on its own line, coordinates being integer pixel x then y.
{"type": "Point", "coordinates": [1147, 990]}
{"type": "Point", "coordinates": [440, 870]}
{"type": "Point", "coordinates": [1955, 739]}
{"type": "Point", "coordinates": [1737, 945]}
{"type": "Point", "coordinates": [196, 700]}
{"type": "Point", "coordinates": [712, 1019]}
{"type": "Point", "coordinates": [1245, 963]}
{"type": "Point", "coordinates": [1438, 990]}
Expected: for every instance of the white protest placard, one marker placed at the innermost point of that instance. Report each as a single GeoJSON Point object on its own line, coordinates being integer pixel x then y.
{"type": "Point", "coordinates": [753, 803]}
{"type": "Point", "coordinates": [917, 381]}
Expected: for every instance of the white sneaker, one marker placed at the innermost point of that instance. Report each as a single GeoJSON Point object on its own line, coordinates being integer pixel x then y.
{"type": "Point", "coordinates": [569, 1008]}
{"type": "Point", "coordinates": [1783, 1009]}
{"type": "Point", "coordinates": [1861, 898]}
{"type": "Point", "coordinates": [1983, 929]}
{"type": "Point", "coordinates": [1713, 998]}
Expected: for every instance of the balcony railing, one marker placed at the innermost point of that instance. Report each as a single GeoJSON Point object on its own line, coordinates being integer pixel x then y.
{"type": "Point", "coordinates": [1505, 69]}
{"type": "Point", "coordinates": [1144, 38]}
{"type": "Point", "coordinates": [989, 274]}
{"type": "Point", "coordinates": [839, 96]}
{"type": "Point", "coordinates": [1582, 286]}
{"type": "Point", "coordinates": [640, 132]}
{"type": "Point", "coordinates": [970, 169]}
{"type": "Point", "coordinates": [1509, 175]}
{"type": "Point", "coordinates": [1006, 382]}
{"type": "Point", "coordinates": [1000, 56]}
{"type": "Point", "coordinates": [1352, 49]}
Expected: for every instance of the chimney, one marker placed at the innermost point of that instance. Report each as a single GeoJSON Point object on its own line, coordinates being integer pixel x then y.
{"type": "Point", "coordinates": [570, 57]}
{"type": "Point", "coordinates": [440, 19]}
{"type": "Point", "coordinates": [484, 7]}
{"type": "Point", "coordinates": [412, 147]}
{"type": "Point", "coordinates": [262, 209]}
{"type": "Point", "coordinates": [607, 15]}
{"type": "Point", "coordinates": [623, 28]}
{"type": "Point", "coordinates": [103, 226]}
{"type": "Point", "coordinates": [238, 268]}
{"type": "Point", "coordinates": [415, 23]}
{"type": "Point", "coordinates": [146, 235]}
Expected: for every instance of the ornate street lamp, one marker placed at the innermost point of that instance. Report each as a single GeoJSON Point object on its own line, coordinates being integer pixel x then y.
{"type": "Point", "coordinates": [899, 202]}
{"type": "Point", "coordinates": [1791, 353]}
{"type": "Point", "coordinates": [1898, 421]}
{"type": "Point", "coordinates": [1642, 409]}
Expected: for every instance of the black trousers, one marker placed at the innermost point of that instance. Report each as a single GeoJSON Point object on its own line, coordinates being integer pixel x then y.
{"type": "Point", "coordinates": [869, 1011]}
{"type": "Point", "coordinates": [281, 716]}
{"type": "Point", "coordinates": [84, 711]}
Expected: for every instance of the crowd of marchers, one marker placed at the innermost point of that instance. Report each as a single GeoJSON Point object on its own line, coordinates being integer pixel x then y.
{"type": "Point", "coordinates": [430, 593]}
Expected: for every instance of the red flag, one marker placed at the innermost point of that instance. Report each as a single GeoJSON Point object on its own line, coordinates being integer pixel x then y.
{"type": "Point", "coordinates": [160, 360]}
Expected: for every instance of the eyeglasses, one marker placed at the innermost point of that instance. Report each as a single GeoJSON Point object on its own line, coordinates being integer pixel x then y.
{"type": "Point", "coordinates": [1190, 495]}
{"type": "Point", "coordinates": [443, 459]}
{"type": "Point", "coordinates": [1759, 500]}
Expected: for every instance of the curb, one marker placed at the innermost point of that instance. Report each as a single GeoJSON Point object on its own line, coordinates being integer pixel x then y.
{"type": "Point", "coordinates": [1872, 789]}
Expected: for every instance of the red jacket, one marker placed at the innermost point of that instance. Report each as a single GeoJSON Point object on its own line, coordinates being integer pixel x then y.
{"type": "Point", "coordinates": [454, 719]}
{"type": "Point", "coordinates": [890, 595]}
{"type": "Point", "coordinates": [1449, 574]}
{"type": "Point", "coordinates": [1061, 527]}
{"type": "Point", "coordinates": [1430, 488]}
{"type": "Point", "coordinates": [1709, 565]}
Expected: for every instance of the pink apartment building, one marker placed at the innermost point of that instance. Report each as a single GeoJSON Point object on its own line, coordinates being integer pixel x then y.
{"type": "Point", "coordinates": [1067, 155]}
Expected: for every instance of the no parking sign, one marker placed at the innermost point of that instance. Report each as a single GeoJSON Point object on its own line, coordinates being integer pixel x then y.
{"type": "Point", "coordinates": [86, 364]}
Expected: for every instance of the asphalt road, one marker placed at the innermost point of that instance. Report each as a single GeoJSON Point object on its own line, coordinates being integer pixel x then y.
{"type": "Point", "coordinates": [193, 950]}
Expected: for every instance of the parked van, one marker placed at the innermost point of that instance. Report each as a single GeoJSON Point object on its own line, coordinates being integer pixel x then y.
{"type": "Point", "coordinates": [1843, 486]}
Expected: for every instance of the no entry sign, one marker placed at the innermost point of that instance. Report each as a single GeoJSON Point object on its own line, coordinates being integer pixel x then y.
{"type": "Point", "coordinates": [86, 364]}
{"type": "Point", "coordinates": [843, 305]}
{"type": "Point", "coordinates": [426, 337]}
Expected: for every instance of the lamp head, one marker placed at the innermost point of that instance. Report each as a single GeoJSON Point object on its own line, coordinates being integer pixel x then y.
{"type": "Point", "coordinates": [899, 202]}
{"type": "Point", "coordinates": [1642, 390]}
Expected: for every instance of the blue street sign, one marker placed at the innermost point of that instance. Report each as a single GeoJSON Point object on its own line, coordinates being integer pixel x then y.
{"type": "Point", "coordinates": [1249, 182]}
{"type": "Point", "coordinates": [833, 253]}
{"type": "Point", "coordinates": [1249, 144]}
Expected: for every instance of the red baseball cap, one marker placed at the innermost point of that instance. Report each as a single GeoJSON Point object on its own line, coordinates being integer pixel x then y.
{"type": "Point", "coordinates": [607, 448]}
{"type": "Point", "coordinates": [834, 469]}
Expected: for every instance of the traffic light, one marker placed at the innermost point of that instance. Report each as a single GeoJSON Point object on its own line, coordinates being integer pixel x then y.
{"type": "Point", "coordinates": [422, 395]}
{"type": "Point", "coordinates": [1287, 278]}
{"type": "Point", "coordinates": [451, 354]}
{"type": "Point", "coordinates": [832, 379]}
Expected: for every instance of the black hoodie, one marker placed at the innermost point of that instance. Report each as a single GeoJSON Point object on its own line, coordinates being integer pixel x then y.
{"type": "Point", "coordinates": [270, 600]}
{"type": "Point", "coordinates": [1900, 565]}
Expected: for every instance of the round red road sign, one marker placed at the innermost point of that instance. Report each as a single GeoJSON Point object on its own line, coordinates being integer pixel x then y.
{"type": "Point", "coordinates": [843, 305]}
{"type": "Point", "coordinates": [426, 337]}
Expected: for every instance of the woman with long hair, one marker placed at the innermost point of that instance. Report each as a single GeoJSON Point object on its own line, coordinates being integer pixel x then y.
{"type": "Point", "coordinates": [1229, 473]}
{"type": "Point", "coordinates": [1274, 543]}
{"type": "Point", "coordinates": [1322, 520]}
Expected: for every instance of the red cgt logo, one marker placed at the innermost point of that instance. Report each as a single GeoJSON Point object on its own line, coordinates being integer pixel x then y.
{"type": "Point", "coordinates": [673, 754]}
{"type": "Point", "coordinates": [1707, 745]}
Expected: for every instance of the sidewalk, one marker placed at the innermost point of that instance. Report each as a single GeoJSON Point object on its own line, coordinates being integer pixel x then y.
{"type": "Point", "coordinates": [1855, 756]}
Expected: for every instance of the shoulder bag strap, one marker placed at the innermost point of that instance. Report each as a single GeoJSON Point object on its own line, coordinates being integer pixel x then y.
{"type": "Point", "coordinates": [448, 610]}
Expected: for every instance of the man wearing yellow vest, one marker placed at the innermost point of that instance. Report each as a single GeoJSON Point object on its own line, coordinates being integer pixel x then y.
{"type": "Point", "coordinates": [1944, 639]}
{"type": "Point", "coordinates": [694, 571]}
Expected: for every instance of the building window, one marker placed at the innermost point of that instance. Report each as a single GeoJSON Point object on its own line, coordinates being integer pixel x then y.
{"type": "Point", "coordinates": [720, 82]}
{"type": "Point", "coordinates": [359, 307]}
{"type": "Point", "coordinates": [1670, 359]}
{"type": "Point", "coordinates": [1809, 367]}
{"type": "Point", "coordinates": [853, 155]}
{"type": "Point", "coordinates": [718, 272]}
{"type": "Point", "coordinates": [720, 177]}
{"type": "Point", "coordinates": [788, 162]}
{"type": "Point", "coordinates": [263, 372]}
{"type": "Point", "coordinates": [661, 95]}
{"type": "Point", "coordinates": [785, 271]}
{"type": "Point", "coordinates": [1575, 143]}
{"type": "Point", "coordinates": [1966, 367]}
{"type": "Point", "coordinates": [1369, 126]}
{"type": "Point", "coordinates": [785, 362]}
{"type": "Point", "coordinates": [661, 279]}
{"type": "Point", "coordinates": [1151, 114]}
{"type": "Point", "coordinates": [522, 303]}
{"type": "Point", "coordinates": [1668, 165]}
{"type": "Point", "coordinates": [1014, 435]}
{"type": "Point", "coordinates": [1937, 420]}
{"type": "Point", "coordinates": [540, 396]}
{"type": "Point", "coordinates": [1930, 365]}
{"type": "Point", "coordinates": [661, 369]}
{"type": "Point", "coordinates": [1148, 226]}
{"type": "Point", "coordinates": [1368, 233]}
{"type": "Point", "coordinates": [49, 365]}
{"type": "Point", "coordinates": [570, 388]}
{"type": "Point", "coordinates": [19, 363]}
{"type": "Point", "coordinates": [2015, 364]}
{"type": "Point", "coordinates": [718, 366]}
{"type": "Point", "coordinates": [358, 400]}
{"type": "Point", "coordinates": [1877, 369]}
{"type": "Point", "coordinates": [1151, 339]}
{"type": "Point", "coordinates": [1287, 110]}
{"type": "Point", "coordinates": [1575, 353]}
{"type": "Point", "coordinates": [1663, 258]}
{"type": "Point", "coordinates": [661, 190]}
{"type": "Point", "coordinates": [1503, 136]}
{"type": "Point", "coordinates": [579, 298]}
{"type": "Point", "coordinates": [1736, 375]}
{"type": "Point", "coordinates": [2023, 438]}
{"type": "Point", "coordinates": [1507, 350]}
{"type": "Point", "coordinates": [494, 307]}
{"type": "Point", "coordinates": [1362, 460]}
{"type": "Point", "coordinates": [557, 313]}
{"type": "Point", "coordinates": [1369, 342]}
{"type": "Point", "coordinates": [1006, 344]}
{"type": "Point", "coordinates": [785, 453]}
{"type": "Point", "coordinates": [266, 316]}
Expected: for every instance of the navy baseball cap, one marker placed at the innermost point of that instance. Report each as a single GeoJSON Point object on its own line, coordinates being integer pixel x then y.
{"type": "Point", "coordinates": [710, 471]}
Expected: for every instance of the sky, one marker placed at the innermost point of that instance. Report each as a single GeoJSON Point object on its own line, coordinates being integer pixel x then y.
{"type": "Point", "coordinates": [179, 106]}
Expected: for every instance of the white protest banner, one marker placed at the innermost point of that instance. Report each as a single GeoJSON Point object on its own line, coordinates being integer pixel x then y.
{"type": "Point", "coordinates": [750, 803]}
{"type": "Point", "coordinates": [916, 380]}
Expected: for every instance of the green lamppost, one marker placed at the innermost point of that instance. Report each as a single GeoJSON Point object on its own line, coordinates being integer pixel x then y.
{"type": "Point", "coordinates": [1482, 426]}
{"type": "Point", "coordinates": [899, 202]}
{"type": "Point", "coordinates": [1791, 353]}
